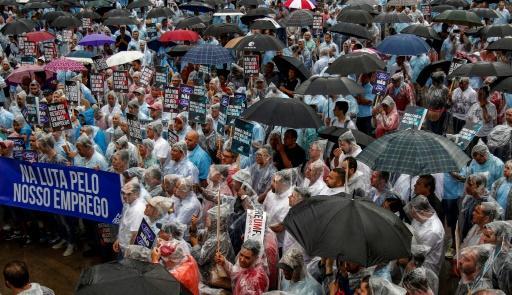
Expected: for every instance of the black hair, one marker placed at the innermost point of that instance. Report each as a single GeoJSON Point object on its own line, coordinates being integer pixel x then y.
{"type": "Point", "coordinates": [16, 274]}
{"type": "Point", "coordinates": [342, 106]}
{"type": "Point", "coordinates": [430, 181]}
{"type": "Point", "coordinates": [292, 132]}
{"type": "Point", "coordinates": [352, 162]}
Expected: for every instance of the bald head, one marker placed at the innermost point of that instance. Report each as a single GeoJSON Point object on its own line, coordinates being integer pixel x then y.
{"type": "Point", "coordinates": [191, 139]}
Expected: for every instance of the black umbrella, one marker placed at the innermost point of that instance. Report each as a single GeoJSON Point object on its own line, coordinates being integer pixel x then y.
{"type": "Point", "coordinates": [259, 42]}
{"type": "Point", "coordinates": [485, 12]}
{"type": "Point", "coordinates": [37, 5]}
{"type": "Point", "coordinates": [117, 12]}
{"type": "Point", "coordinates": [332, 134]}
{"type": "Point", "coordinates": [88, 14]}
{"type": "Point", "coordinates": [178, 50]}
{"type": "Point", "coordinates": [265, 24]}
{"type": "Point", "coordinates": [190, 22]}
{"type": "Point", "coordinates": [17, 27]}
{"type": "Point", "coordinates": [256, 13]}
{"type": "Point", "coordinates": [299, 18]}
{"type": "Point", "coordinates": [350, 29]}
{"type": "Point", "coordinates": [52, 15]}
{"type": "Point", "coordinates": [285, 112]}
{"type": "Point", "coordinates": [67, 3]}
{"type": "Point", "coordinates": [421, 30]}
{"type": "Point", "coordinates": [364, 7]}
{"type": "Point", "coordinates": [443, 65]}
{"type": "Point", "coordinates": [160, 12]}
{"type": "Point", "coordinates": [127, 276]}
{"type": "Point", "coordinates": [355, 16]}
{"type": "Point", "coordinates": [66, 22]}
{"type": "Point", "coordinates": [119, 21]}
{"type": "Point", "coordinates": [250, 2]}
{"type": "Point", "coordinates": [197, 6]}
{"type": "Point", "coordinates": [504, 44]}
{"type": "Point", "coordinates": [502, 84]}
{"type": "Point", "coordinates": [458, 17]}
{"type": "Point", "coordinates": [392, 18]}
{"type": "Point", "coordinates": [376, 234]}
{"type": "Point", "coordinates": [454, 3]}
{"type": "Point", "coordinates": [356, 63]}
{"type": "Point", "coordinates": [139, 4]}
{"type": "Point", "coordinates": [99, 4]}
{"type": "Point", "coordinates": [8, 2]}
{"type": "Point", "coordinates": [483, 69]}
{"type": "Point", "coordinates": [284, 63]}
{"type": "Point", "coordinates": [442, 8]}
{"type": "Point", "coordinates": [496, 31]}
{"type": "Point", "coordinates": [218, 29]}
{"type": "Point", "coordinates": [329, 85]}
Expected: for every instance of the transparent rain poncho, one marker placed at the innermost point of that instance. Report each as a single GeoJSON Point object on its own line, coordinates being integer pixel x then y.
{"type": "Point", "coordinates": [381, 286]}
{"type": "Point", "coordinates": [416, 282]}
{"type": "Point", "coordinates": [302, 282]}
{"type": "Point", "coordinates": [500, 234]}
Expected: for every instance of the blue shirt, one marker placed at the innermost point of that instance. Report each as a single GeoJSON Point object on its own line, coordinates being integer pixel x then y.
{"type": "Point", "coordinates": [453, 189]}
{"type": "Point", "coordinates": [366, 110]}
{"type": "Point", "coordinates": [493, 168]}
{"type": "Point", "coordinates": [502, 194]}
{"type": "Point", "coordinates": [201, 160]}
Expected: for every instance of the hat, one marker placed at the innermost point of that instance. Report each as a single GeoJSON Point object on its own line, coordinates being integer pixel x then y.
{"type": "Point", "coordinates": [157, 105]}
{"type": "Point", "coordinates": [162, 204]}
{"type": "Point", "coordinates": [140, 90]}
{"type": "Point", "coordinates": [181, 146]}
{"type": "Point", "coordinates": [347, 136]}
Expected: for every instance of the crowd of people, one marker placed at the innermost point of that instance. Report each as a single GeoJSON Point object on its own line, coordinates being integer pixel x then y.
{"type": "Point", "coordinates": [195, 192]}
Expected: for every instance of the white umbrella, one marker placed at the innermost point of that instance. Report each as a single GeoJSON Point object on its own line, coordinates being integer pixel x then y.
{"type": "Point", "coordinates": [83, 60]}
{"type": "Point", "coordinates": [124, 57]}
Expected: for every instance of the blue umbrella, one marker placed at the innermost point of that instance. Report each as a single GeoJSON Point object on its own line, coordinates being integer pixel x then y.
{"type": "Point", "coordinates": [81, 54]}
{"type": "Point", "coordinates": [403, 44]}
{"type": "Point", "coordinates": [207, 54]}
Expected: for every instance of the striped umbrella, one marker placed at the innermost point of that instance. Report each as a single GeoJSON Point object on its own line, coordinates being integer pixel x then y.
{"type": "Point", "coordinates": [413, 152]}
{"type": "Point", "coordinates": [63, 64]}
{"type": "Point", "coordinates": [208, 54]}
{"type": "Point", "coordinates": [300, 4]}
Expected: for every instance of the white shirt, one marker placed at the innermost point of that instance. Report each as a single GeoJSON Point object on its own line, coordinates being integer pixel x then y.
{"type": "Point", "coordinates": [276, 206]}
{"type": "Point", "coordinates": [161, 148]}
{"type": "Point", "coordinates": [130, 221]}
{"type": "Point", "coordinates": [184, 209]}
{"type": "Point", "coordinates": [317, 188]}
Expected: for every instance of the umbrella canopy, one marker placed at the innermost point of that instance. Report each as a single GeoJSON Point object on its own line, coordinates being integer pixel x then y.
{"type": "Point", "coordinates": [443, 65]}
{"type": "Point", "coordinates": [256, 13]}
{"type": "Point", "coordinates": [300, 4]}
{"type": "Point", "coordinates": [26, 70]}
{"type": "Point", "coordinates": [502, 84]}
{"type": "Point", "coordinates": [329, 85]}
{"type": "Point", "coordinates": [442, 8]}
{"type": "Point", "coordinates": [63, 64]}
{"type": "Point", "coordinates": [401, 3]}
{"type": "Point", "coordinates": [355, 16]}
{"type": "Point", "coordinates": [285, 63]}
{"type": "Point", "coordinates": [233, 42]}
{"type": "Point", "coordinates": [37, 5]}
{"type": "Point", "coordinates": [88, 14]}
{"type": "Point", "coordinates": [285, 112]}
{"type": "Point", "coordinates": [39, 36]}
{"type": "Point", "coordinates": [124, 57]}
{"type": "Point", "coordinates": [496, 31]}
{"type": "Point", "coordinates": [421, 30]}
{"type": "Point", "coordinates": [259, 42]}
{"type": "Point", "coordinates": [127, 276]}
{"type": "Point", "coordinates": [178, 50]}
{"type": "Point", "coordinates": [265, 23]}
{"type": "Point", "coordinates": [504, 44]}
{"type": "Point", "coordinates": [179, 35]}
{"type": "Point", "coordinates": [376, 234]}
{"type": "Point", "coordinates": [117, 12]}
{"type": "Point", "coordinates": [483, 69]}
{"type": "Point", "coordinates": [67, 3]}
{"type": "Point", "coordinates": [119, 21]}
{"type": "Point", "coordinates": [299, 18]}
{"type": "Point", "coordinates": [485, 12]}
{"type": "Point", "coordinates": [413, 152]}
{"type": "Point", "coordinates": [364, 7]}
{"type": "Point", "coordinates": [208, 54]}
{"type": "Point", "coordinates": [197, 6]}
{"type": "Point", "coordinates": [51, 15]}
{"type": "Point", "coordinates": [160, 12]}
{"type": "Point", "coordinates": [190, 22]}
{"type": "Point", "coordinates": [332, 134]}
{"type": "Point", "coordinates": [356, 63]}
{"type": "Point", "coordinates": [458, 17]}
{"type": "Point", "coordinates": [66, 21]}
{"type": "Point", "coordinates": [392, 18]}
{"type": "Point", "coordinates": [96, 40]}
{"type": "Point", "coordinates": [81, 60]}
{"type": "Point", "coordinates": [17, 27]}
{"type": "Point", "coordinates": [403, 44]}
{"type": "Point", "coordinates": [81, 54]}
{"type": "Point", "coordinates": [98, 4]}
{"type": "Point", "coordinates": [250, 2]}
{"type": "Point", "coordinates": [218, 29]}
{"type": "Point", "coordinates": [350, 29]}
{"type": "Point", "coordinates": [454, 3]}
{"type": "Point", "coordinates": [139, 4]}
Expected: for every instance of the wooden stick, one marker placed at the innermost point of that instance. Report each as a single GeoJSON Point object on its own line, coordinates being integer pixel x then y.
{"type": "Point", "coordinates": [218, 220]}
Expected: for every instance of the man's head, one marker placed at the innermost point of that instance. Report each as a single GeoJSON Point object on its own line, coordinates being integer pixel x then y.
{"type": "Point", "coordinates": [290, 138]}
{"type": "Point", "coordinates": [16, 274]}
{"type": "Point", "coordinates": [476, 185]}
{"type": "Point", "coordinates": [298, 195]}
{"type": "Point", "coordinates": [508, 116]}
{"type": "Point", "coordinates": [292, 264]}
{"type": "Point", "coordinates": [263, 155]}
{"type": "Point", "coordinates": [316, 150]}
{"type": "Point", "coordinates": [379, 179]}
{"type": "Point", "coordinates": [349, 165]}
{"type": "Point", "coordinates": [484, 213]}
{"type": "Point", "coordinates": [281, 181]}
{"type": "Point", "coordinates": [183, 188]}
{"type": "Point", "coordinates": [507, 170]}
{"type": "Point", "coordinates": [130, 191]}
{"type": "Point", "coordinates": [169, 184]}
{"type": "Point", "coordinates": [228, 157]}
{"type": "Point", "coordinates": [249, 253]}
{"type": "Point", "coordinates": [340, 108]}
{"type": "Point", "coordinates": [84, 147]}
{"type": "Point", "coordinates": [425, 185]}
{"type": "Point", "coordinates": [120, 161]}
{"type": "Point", "coordinates": [480, 153]}
{"type": "Point", "coordinates": [191, 139]}
{"type": "Point", "coordinates": [314, 171]}
{"type": "Point", "coordinates": [473, 259]}
{"type": "Point", "coordinates": [46, 143]}
{"type": "Point", "coordinates": [346, 141]}
{"type": "Point", "coordinates": [336, 178]}
{"type": "Point", "coordinates": [464, 83]}
{"type": "Point", "coordinates": [327, 37]}
{"type": "Point", "coordinates": [152, 176]}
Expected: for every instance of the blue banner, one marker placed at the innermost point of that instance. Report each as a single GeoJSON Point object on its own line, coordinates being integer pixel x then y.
{"type": "Point", "coordinates": [64, 190]}
{"type": "Point", "coordinates": [145, 236]}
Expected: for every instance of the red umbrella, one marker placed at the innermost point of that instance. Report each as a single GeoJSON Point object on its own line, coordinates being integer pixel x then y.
{"type": "Point", "coordinates": [179, 35]}
{"type": "Point", "coordinates": [26, 71]}
{"type": "Point", "coordinates": [63, 64]}
{"type": "Point", "coordinates": [39, 36]}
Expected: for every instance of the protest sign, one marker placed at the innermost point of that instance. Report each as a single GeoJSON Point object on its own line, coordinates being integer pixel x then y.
{"type": "Point", "coordinates": [381, 82]}
{"type": "Point", "coordinates": [86, 23]}
{"type": "Point", "coordinates": [235, 108]}
{"type": "Point", "coordinates": [27, 60]}
{"type": "Point", "coordinates": [44, 120]}
{"type": "Point", "coordinates": [62, 190]}
{"type": "Point", "coordinates": [467, 133]}
{"type": "Point", "coordinates": [161, 74]}
{"type": "Point", "coordinates": [221, 121]}
{"type": "Point", "coordinates": [134, 131]}
{"type": "Point", "coordinates": [173, 137]}
{"type": "Point", "coordinates": [456, 62]}
{"type": "Point", "coordinates": [145, 236]}
{"type": "Point", "coordinates": [59, 116]}
{"type": "Point", "coordinates": [146, 76]}
{"type": "Point", "coordinates": [31, 110]}
{"type": "Point", "coordinates": [242, 137]}
{"type": "Point", "coordinates": [67, 35]}
{"type": "Point", "coordinates": [185, 93]}
{"type": "Point", "coordinates": [171, 99]}
{"type": "Point", "coordinates": [49, 50]}
{"type": "Point", "coordinates": [413, 118]}
{"type": "Point", "coordinates": [151, 31]}
{"type": "Point", "coordinates": [18, 146]}
{"type": "Point", "coordinates": [199, 90]}
{"type": "Point", "coordinates": [120, 79]}
{"type": "Point", "coordinates": [197, 109]}
{"type": "Point", "coordinates": [255, 225]}
{"type": "Point", "coordinates": [318, 22]}
{"type": "Point", "coordinates": [72, 90]}
{"type": "Point", "coordinates": [251, 64]}
{"type": "Point", "coordinates": [30, 156]}
{"type": "Point", "coordinates": [97, 84]}
{"type": "Point", "coordinates": [107, 233]}
{"type": "Point", "coordinates": [426, 9]}
{"type": "Point", "coordinates": [100, 63]}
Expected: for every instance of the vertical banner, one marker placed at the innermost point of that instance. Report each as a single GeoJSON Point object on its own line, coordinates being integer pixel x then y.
{"type": "Point", "coordinates": [145, 236]}
{"type": "Point", "coordinates": [381, 82]}
{"type": "Point", "coordinates": [86, 23]}
{"type": "Point", "coordinates": [67, 35]}
{"type": "Point", "coordinates": [18, 147]}
{"type": "Point", "coordinates": [161, 74]}
{"type": "Point", "coordinates": [221, 122]}
{"type": "Point", "coordinates": [242, 137]}
{"type": "Point", "coordinates": [255, 225]}
{"type": "Point", "coordinates": [72, 90]}
{"type": "Point", "coordinates": [197, 109]}
{"type": "Point", "coordinates": [413, 118]}
{"type": "Point", "coordinates": [120, 79]}
{"type": "Point", "coordinates": [318, 24]}
{"type": "Point", "coordinates": [49, 51]}
{"type": "Point", "coordinates": [59, 116]}
{"type": "Point", "coordinates": [62, 190]}
{"type": "Point", "coordinates": [44, 119]}
{"type": "Point", "coordinates": [185, 93]}
{"type": "Point", "coordinates": [235, 108]}
{"type": "Point", "coordinates": [31, 111]}
{"type": "Point", "coordinates": [134, 131]}
{"type": "Point", "coordinates": [251, 64]}
{"type": "Point", "coordinates": [171, 99]}
{"type": "Point", "coordinates": [100, 63]}
{"type": "Point", "coordinates": [151, 31]}
{"type": "Point", "coordinates": [146, 76]}
{"type": "Point", "coordinates": [97, 84]}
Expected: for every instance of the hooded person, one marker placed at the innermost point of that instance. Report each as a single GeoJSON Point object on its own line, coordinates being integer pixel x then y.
{"type": "Point", "coordinates": [483, 213]}
{"type": "Point", "coordinates": [180, 126]}
{"type": "Point", "coordinates": [348, 147]}
{"type": "Point", "coordinates": [385, 117]}
{"type": "Point", "coordinates": [473, 271]}
{"type": "Point", "coordinates": [217, 187]}
{"type": "Point", "coordinates": [485, 162]}
{"type": "Point", "coordinates": [416, 282]}
{"type": "Point", "coordinates": [179, 164]}
{"type": "Point", "coordinates": [297, 280]}
{"type": "Point", "coordinates": [499, 233]}
{"type": "Point", "coordinates": [418, 255]}
{"type": "Point", "coordinates": [262, 171]}
{"type": "Point", "coordinates": [428, 230]}
{"type": "Point", "coordinates": [156, 210]}
{"type": "Point", "coordinates": [382, 286]}
{"type": "Point", "coordinates": [314, 181]}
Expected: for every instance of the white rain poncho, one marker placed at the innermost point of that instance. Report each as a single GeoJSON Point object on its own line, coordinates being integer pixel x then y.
{"type": "Point", "coordinates": [301, 281]}
{"type": "Point", "coordinates": [381, 286]}
{"type": "Point", "coordinates": [416, 282]}
{"type": "Point", "coordinates": [500, 234]}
